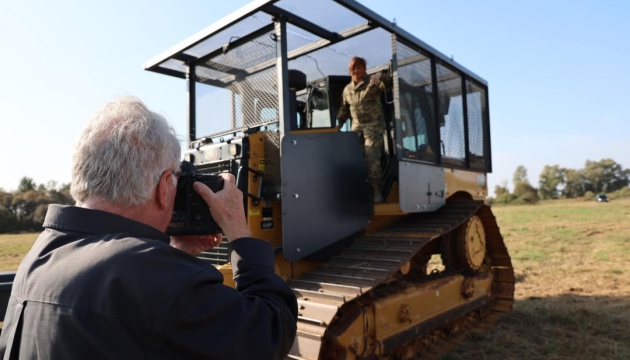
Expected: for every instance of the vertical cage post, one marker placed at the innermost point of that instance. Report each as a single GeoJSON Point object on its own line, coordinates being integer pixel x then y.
{"type": "Point", "coordinates": [282, 64]}
{"type": "Point", "coordinates": [396, 93]}
{"type": "Point", "coordinates": [487, 145]}
{"type": "Point", "coordinates": [466, 130]}
{"type": "Point", "coordinates": [191, 81]}
{"type": "Point", "coordinates": [436, 106]}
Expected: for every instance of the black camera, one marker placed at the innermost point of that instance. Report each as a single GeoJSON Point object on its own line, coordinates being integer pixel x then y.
{"type": "Point", "coordinates": [191, 215]}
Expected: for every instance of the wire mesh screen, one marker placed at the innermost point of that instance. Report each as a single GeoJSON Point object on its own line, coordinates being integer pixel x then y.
{"type": "Point", "coordinates": [228, 35]}
{"type": "Point", "coordinates": [328, 15]}
{"type": "Point", "coordinates": [451, 114]}
{"type": "Point", "coordinates": [417, 120]}
{"type": "Point", "coordinates": [237, 90]}
{"type": "Point", "coordinates": [334, 59]}
{"type": "Point", "coordinates": [232, 93]}
{"type": "Point", "coordinates": [477, 112]}
{"type": "Point", "coordinates": [236, 31]}
{"type": "Point", "coordinates": [235, 73]}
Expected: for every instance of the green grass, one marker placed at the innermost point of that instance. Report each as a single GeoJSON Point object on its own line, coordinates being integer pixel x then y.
{"type": "Point", "coordinates": [572, 298]}
{"type": "Point", "coordinates": [13, 247]}
{"type": "Point", "coordinates": [572, 264]}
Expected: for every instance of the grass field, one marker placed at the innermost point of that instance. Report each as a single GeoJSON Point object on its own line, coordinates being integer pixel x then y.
{"type": "Point", "coordinates": [13, 247]}
{"type": "Point", "coordinates": [572, 264]}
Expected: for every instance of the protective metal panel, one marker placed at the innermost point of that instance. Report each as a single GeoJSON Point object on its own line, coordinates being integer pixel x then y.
{"type": "Point", "coordinates": [325, 193]}
{"type": "Point", "coordinates": [422, 187]}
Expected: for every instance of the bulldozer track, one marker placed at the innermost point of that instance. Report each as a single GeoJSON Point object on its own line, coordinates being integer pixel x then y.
{"type": "Point", "coordinates": [375, 260]}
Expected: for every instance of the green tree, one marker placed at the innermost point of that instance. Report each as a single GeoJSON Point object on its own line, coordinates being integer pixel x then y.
{"type": "Point", "coordinates": [25, 204]}
{"type": "Point", "coordinates": [59, 195]}
{"type": "Point", "coordinates": [8, 221]}
{"type": "Point", "coordinates": [520, 175]}
{"type": "Point", "coordinates": [550, 178]}
{"type": "Point", "coordinates": [605, 176]}
{"type": "Point", "coordinates": [502, 194]}
{"type": "Point", "coordinates": [25, 209]}
{"type": "Point", "coordinates": [524, 192]}
{"type": "Point", "coordinates": [574, 183]}
{"type": "Point", "coordinates": [26, 184]}
{"type": "Point", "coordinates": [501, 189]}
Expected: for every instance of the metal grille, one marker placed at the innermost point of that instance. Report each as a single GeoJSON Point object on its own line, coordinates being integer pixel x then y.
{"type": "Point", "coordinates": [334, 59]}
{"type": "Point", "coordinates": [173, 64]}
{"type": "Point", "coordinates": [417, 118]}
{"type": "Point", "coordinates": [451, 113]}
{"type": "Point", "coordinates": [232, 93]}
{"type": "Point", "coordinates": [272, 170]}
{"type": "Point", "coordinates": [327, 14]}
{"type": "Point", "coordinates": [234, 32]}
{"type": "Point", "coordinates": [236, 90]}
{"type": "Point", "coordinates": [476, 111]}
{"type": "Point", "coordinates": [234, 66]}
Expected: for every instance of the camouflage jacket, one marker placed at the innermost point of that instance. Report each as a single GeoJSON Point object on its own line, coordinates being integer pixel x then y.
{"type": "Point", "coordinates": [362, 103]}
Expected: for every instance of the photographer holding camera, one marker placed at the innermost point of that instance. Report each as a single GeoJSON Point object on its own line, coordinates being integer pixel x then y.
{"type": "Point", "coordinates": [103, 280]}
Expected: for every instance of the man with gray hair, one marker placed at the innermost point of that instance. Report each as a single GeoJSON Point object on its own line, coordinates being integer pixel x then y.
{"type": "Point", "coordinates": [103, 280]}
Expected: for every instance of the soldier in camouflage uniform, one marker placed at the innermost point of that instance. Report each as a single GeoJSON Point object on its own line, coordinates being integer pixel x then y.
{"type": "Point", "coordinates": [361, 102]}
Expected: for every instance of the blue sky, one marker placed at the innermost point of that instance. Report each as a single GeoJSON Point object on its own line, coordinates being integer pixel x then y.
{"type": "Point", "coordinates": [557, 73]}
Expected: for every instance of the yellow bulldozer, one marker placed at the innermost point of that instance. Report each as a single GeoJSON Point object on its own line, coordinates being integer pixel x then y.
{"type": "Point", "coordinates": [392, 280]}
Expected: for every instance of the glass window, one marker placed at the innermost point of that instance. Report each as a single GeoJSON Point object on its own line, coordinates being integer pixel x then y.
{"type": "Point", "coordinates": [451, 114]}
{"type": "Point", "coordinates": [477, 113]}
{"type": "Point", "coordinates": [318, 109]}
{"type": "Point", "coordinates": [416, 130]}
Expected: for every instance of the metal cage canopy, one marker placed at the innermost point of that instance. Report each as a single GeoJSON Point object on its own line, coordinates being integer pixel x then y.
{"type": "Point", "coordinates": [276, 69]}
{"type": "Point", "coordinates": [312, 24]}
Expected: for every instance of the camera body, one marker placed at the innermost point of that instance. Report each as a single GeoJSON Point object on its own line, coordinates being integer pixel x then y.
{"type": "Point", "coordinates": [191, 215]}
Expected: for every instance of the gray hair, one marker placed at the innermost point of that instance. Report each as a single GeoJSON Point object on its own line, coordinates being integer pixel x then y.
{"type": "Point", "coordinates": [122, 152]}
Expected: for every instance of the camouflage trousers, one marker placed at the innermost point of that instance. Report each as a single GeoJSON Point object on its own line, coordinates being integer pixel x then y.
{"type": "Point", "coordinates": [372, 138]}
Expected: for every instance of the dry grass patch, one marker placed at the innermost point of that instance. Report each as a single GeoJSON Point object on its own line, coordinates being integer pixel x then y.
{"type": "Point", "coordinates": [13, 247]}
{"type": "Point", "coordinates": [572, 265]}
{"type": "Point", "coordinates": [572, 297]}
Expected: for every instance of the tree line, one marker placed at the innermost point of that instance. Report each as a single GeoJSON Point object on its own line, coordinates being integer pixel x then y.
{"type": "Point", "coordinates": [24, 209]}
{"type": "Point", "coordinates": [597, 177]}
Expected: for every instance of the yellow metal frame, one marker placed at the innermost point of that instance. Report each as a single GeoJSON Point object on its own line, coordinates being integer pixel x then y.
{"type": "Point", "coordinates": [471, 182]}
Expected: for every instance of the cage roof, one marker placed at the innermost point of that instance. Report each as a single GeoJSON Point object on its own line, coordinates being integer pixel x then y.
{"type": "Point", "coordinates": [319, 23]}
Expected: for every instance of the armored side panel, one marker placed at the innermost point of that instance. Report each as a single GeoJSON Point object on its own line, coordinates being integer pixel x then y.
{"type": "Point", "coordinates": [325, 191]}
{"type": "Point", "coordinates": [422, 187]}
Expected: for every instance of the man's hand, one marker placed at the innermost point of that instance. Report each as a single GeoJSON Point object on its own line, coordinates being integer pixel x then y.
{"type": "Point", "coordinates": [195, 244]}
{"type": "Point", "coordinates": [226, 207]}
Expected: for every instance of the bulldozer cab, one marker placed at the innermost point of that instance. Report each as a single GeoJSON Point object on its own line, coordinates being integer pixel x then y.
{"type": "Point", "coordinates": [264, 89]}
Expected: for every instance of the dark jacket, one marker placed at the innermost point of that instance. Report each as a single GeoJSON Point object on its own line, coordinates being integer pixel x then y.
{"type": "Point", "coordinates": [100, 286]}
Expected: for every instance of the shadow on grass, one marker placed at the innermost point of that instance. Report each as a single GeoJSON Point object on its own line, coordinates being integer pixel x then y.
{"type": "Point", "coordinates": [562, 327]}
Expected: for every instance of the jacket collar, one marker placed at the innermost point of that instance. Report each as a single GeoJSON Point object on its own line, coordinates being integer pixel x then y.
{"type": "Point", "coordinates": [90, 221]}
